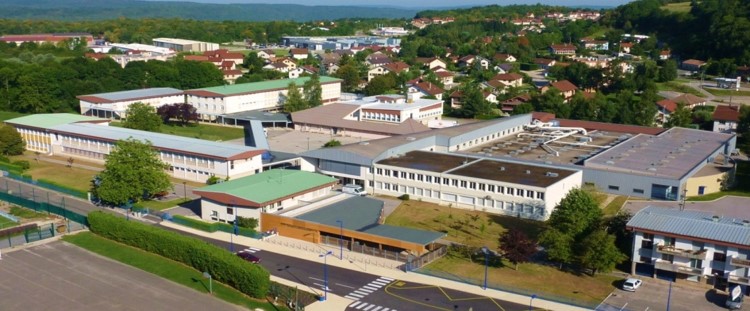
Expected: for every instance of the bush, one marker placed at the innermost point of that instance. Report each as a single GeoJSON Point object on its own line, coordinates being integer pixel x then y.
{"type": "Point", "coordinates": [247, 222]}
{"type": "Point", "coordinates": [4, 159]}
{"type": "Point", "coordinates": [212, 180]}
{"type": "Point", "coordinates": [224, 266]}
{"type": "Point", "coordinates": [23, 164]}
{"type": "Point", "coordinates": [404, 197]}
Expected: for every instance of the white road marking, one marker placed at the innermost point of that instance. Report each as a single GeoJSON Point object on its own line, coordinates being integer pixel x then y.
{"type": "Point", "coordinates": [342, 285]}
{"type": "Point", "coordinates": [355, 304]}
{"type": "Point", "coordinates": [362, 306]}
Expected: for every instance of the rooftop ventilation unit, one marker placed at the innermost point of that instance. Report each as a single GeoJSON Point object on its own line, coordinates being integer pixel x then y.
{"type": "Point", "coordinates": [715, 218]}
{"type": "Point", "coordinates": [653, 169]}
{"type": "Point", "coordinates": [364, 143]}
{"type": "Point", "coordinates": [410, 138]}
{"type": "Point", "coordinates": [610, 162]}
{"type": "Point", "coordinates": [528, 172]}
{"type": "Point", "coordinates": [551, 174]}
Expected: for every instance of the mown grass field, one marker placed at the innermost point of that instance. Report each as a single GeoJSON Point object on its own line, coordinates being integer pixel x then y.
{"type": "Point", "coordinates": [73, 177]}
{"type": "Point", "coordinates": [679, 7]}
{"type": "Point", "coordinates": [675, 86]}
{"type": "Point", "coordinates": [200, 131]}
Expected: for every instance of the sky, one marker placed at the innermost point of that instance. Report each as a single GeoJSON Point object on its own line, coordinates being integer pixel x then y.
{"type": "Point", "coordinates": [428, 3]}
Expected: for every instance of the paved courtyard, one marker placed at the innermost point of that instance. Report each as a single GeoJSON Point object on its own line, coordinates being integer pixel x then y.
{"type": "Point", "coordinates": [728, 206]}
{"type": "Point", "coordinates": [292, 141]}
{"type": "Point", "coordinates": [61, 276]}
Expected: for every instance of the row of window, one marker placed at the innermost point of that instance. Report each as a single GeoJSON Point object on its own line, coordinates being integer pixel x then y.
{"type": "Point", "coordinates": [458, 183]}
{"type": "Point", "coordinates": [617, 188]}
{"type": "Point", "coordinates": [487, 138]}
{"type": "Point", "coordinates": [505, 206]}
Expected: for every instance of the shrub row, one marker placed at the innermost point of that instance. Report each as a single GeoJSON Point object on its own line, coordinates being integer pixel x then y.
{"type": "Point", "coordinates": [6, 166]}
{"type": "Point", "coordinates": [212, 227]}
{"type": "Point", "coordinates": [223, 266]}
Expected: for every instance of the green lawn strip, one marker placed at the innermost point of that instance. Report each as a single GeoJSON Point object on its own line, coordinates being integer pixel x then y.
{"type": "Point", "coordinates": [613, 207]}
{"type": "Point", "coordinates": [200, 131]}
{"type": "Point", "coordinates": [720, 194]}
{"type": "Point", "coordinates": [547, 282]}
{"type": "Point", "coordinates": [156, 205]}
{"type": "Point", "coordinates": [7, 223]}
{"type": "Point", "coordinates": [7, 115]}
{"type": "Point", "coordinates": [163, 267]}
{"type": "Point", "coordinates": [730, 92]}
{"type": "Point", "coordinates": [678, 87]}
{"type": "Point", "coordinates": [26, 213]}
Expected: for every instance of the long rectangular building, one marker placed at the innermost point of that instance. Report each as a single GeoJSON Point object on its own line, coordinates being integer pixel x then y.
{"type": "Point", "coordinates": [113, 105]}
{"type": "Point", "coordinates": [182, 45]}
{"type": "Point", "coordinates": [213, 102]}
{"type": "Point", "coordinates": [188, 158]}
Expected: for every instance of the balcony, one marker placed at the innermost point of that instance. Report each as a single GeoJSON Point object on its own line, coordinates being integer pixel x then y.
{"type": "Point", "coordinates": [667, 266]}
{"type": "Point", "coordinates": [671, 250]}
{"type": "Point", "coordinates": [737, 262]}
{"type": "Point", "coordinates": [739, 280]}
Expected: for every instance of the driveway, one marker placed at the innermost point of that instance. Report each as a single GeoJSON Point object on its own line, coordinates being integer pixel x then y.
{"type": "Point", "coordinates": [654, 294]}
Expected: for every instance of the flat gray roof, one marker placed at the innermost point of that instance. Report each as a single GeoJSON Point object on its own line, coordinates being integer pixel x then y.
{"type": "Point", "coordinates": [361, 214]}
{"type": "Point", "coordinates": [205, 148]}
{"type": "Point", "coordinates": [130, 95]}
{"type": "Point", "coordinates": [693, 224]}
{"type": "Point", "coordinates": [261, 116]}
{"type": "Point", "coordinates": [671, 154]}
{"type": "Point", "coordinates": [332, 115]}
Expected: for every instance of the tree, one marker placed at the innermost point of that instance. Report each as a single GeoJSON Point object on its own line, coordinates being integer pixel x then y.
{"type": "Point", "coordinates": [247, 222]}
{"type": "Point", "coordinates": [143, 117]}
{"type": "Point", "coordinates": [313, 91]}
{"type": "Point", "coordinates": [558, 246]}
{"type": "Point", "coordinates": [253, 63]}
{"type": "Point", "coordinates": [473, 102]}
{"type": "Point", "coordinates": [132, 171]}
{"type": "Point", "coordinates": [350, 75]}
{"type": "Point", "coordinates": [617, 226]}
{"type": "Point", "coordinates": [668, 71]}
{"type": "Point", "coordinates": [600, 253]}
{"type": "Point", "coordinates": [184, 113]}
{"type": "Point", "coordinates": [380, 85]}
{"type": "Point", "coordinates": [523, 109]}
{"type": "Point", "coordinates": [294, 101]}
{"type": "Point", "coordinates": [516, 246]}
{"type": "Point", "coordinates": [11, 142]}
{"type": "Point", "coordinates": [681, 117]}
{"type": "Point", "coordinates": [332, 143]}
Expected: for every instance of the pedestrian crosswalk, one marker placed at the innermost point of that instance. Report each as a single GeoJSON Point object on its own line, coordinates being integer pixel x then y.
{"type": "Point", "coordinates": [369, 288]}
{"type": "Point", "coordinates": [363, 306]}
{"type": "Point", "coordinates": [250, 250]}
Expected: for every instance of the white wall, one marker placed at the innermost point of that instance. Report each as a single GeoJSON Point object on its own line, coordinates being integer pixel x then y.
{"type": "Point", "coordinates": [122, 106]}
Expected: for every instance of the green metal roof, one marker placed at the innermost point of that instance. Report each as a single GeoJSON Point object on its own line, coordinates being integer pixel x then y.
{"type": "Point", "coordinates": [361, 214]}
{"type": "Point", "coordinates": [49, 120]}
{"type": "Point", "coordinates": [269, 185]}
{"type": "Point", "coordinates": [242, 88]}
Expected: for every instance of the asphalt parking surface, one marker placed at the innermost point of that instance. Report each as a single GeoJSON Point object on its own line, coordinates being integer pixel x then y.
{"type": "Point", "coordinates": [654, 294]}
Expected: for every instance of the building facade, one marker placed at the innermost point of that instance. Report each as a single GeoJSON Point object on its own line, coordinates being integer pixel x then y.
{"type": "Point", "coordinates": [114, 105]}
{"type": "Point", "coordinates": [183, 45]}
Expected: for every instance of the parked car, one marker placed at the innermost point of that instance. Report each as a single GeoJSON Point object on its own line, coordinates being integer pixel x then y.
{"type": "Point", "coordinates": [736, 296]}
{"type": "Point", "coordinates": [354, 189]}
{"type": "Point", "coordinates": [631, 284]}
{"type": "Point", "coordinates": [248, 257]}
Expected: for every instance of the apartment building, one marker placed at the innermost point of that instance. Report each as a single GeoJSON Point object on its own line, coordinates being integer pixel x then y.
{"type": "Point", "coordinates": [695, 246]}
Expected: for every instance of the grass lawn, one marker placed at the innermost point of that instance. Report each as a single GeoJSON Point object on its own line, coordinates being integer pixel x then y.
{"type": "Point", "coordinates": [7, 115]}
{"type": "Point", "coordinates": [679, 7]}
{"type": "Point", "coordinates": [474, 228]}
{"type": "Point", "coordinates": [26, 213]}
{"type": "Point", "coordinates": [200, 131]}
{"type": "Point", "coordinates": [678, 87]}
{"type": "Point", "coordinates": [73, 177]}
{"type": "Point", "coordinates": [726, 92]}
{"type": "Point", "coordinates": [163, 267]}
{"type": "Point", "coordinates": [156, 205]}
{"type": "Point", "coordinates": [6, 223]}
{"type": "Point", "coordinates": [545, 281]}
{"type": "Point", "coordinates": [614, 206]}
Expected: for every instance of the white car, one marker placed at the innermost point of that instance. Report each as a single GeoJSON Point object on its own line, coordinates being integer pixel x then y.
{"type": "Point", "coordinates": [631, 284]}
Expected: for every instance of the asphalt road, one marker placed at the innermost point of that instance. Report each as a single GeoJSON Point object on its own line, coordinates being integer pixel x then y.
{"type": "Point", "coordinates": [369, 289]}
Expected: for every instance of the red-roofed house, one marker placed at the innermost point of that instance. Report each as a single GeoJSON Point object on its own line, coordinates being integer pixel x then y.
{"type": "Point", "coordinates": [509, 79]}
{"type": "Point", "coordinates": [457, 96]}
{"type": "Point", "coordinates": [693, 64]}
{"type": "Point", "coordinates": [664, 108]}
{"type": "Point", "coordinates": [423, 89]}
{"type": "Point", "coordinates": [231, 75]}
{"type": "Point", "coordinates": [431, 62]}
{"type": "Point", "coordinates": [446, 77]}
{"type": "Point", "coordinates": [397, 67]}
{"type": "Point", "coordinates": [298, 53]}
{"type": "Point", "coordinates": [625, 47]}
{"type": "Point", "coordinates": [96, 56]}
{"type": "Point", "coordinates": [544, 63]}
{"type": "Point", "coordinates": [504, 58]}
{"type": "Point", "coordinates": [566, 88]}
{"type": "Point", "coordinates": [726, 118]}
{"type": "Point", "coordinates": [689, 100]}
{"type": "Point", "coordinates": [665, 54]}
{"type": "Point", "coordinates": [562, 49]}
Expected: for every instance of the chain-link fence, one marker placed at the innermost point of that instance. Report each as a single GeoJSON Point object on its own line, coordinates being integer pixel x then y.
{"type": "Point", "coordinates": [28, 233]}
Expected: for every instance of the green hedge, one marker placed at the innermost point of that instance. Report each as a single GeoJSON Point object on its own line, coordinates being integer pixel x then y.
{"type": "Point", "coordinates": [11, 168]}
{"type": "Point", "coordinates": [224, 266]}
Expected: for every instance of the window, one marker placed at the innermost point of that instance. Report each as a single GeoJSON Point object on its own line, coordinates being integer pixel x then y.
{"type": "Point", "coordinates": [395, 174]}
{"type": "Point", "coordinates": [420, 177]}
{"type": "Point", "coordinates": [501, 189]}
{"type": "Point", "coordinates": [645, 259]}
{"type": "Point", "coordinates": [454, 182]}
{"type": "Point", "coordinates": [647, 244]}
{"type": "Point", "coordinates": [510, 191]}
{"type": "Point", "coordinates": [490, 188]}
{"type": "Point", "coordinates": [411, 176]}
{"type": "Point", "coordinates": [473, 185]}
{"type": "Point", "coordinates": [482, 187]}
{"type": "Point", "coordinates": [640, 191]}
{"type": "Point", "coordinates": [428, 178]}
{"type": "Point", "coordinates": [529, 194]}
{"type": "Point", "coordinates": [380, 171]}
{"type": "Point", "coordinates": [463, 184]}
{"type": "Point", "coordinates": [721, 257]}
{"type": "Point", "coordinates": [387, 172]}
{"type": "Point", "coordinates": [540, 195]}
{"type": "Point", "coordinates": [230, 211]}
{"type": "Point", "coordinates": [403, 175]}
{"type": "Point", "coordinates": [616, 188]}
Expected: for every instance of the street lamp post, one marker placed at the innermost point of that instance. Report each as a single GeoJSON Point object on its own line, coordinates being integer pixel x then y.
{"type": "Point", "coordinates": [184, 190]}
{"type": "Point", "coordinates": [210, 282]}
{"type": "Point", "coordinates": [325, 274]}
{"type": "Point", "coordinates": [341, 238]}
{"type": "Point", "coordinates": [531, 301]}
{"type": "Point", "coordinates": [486, 252]}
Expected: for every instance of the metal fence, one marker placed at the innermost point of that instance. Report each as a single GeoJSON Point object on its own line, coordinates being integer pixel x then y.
{"type": "Point", "coordinates": [33, 234]}
{"type": "Point", "coordinates": [505, 287]}
{"type": "Point", "coordinates": [425, 259]}
{"type": "Point", "coordinates": [43, 207]}
{"type": "Point", "coordinates": [46, 184]}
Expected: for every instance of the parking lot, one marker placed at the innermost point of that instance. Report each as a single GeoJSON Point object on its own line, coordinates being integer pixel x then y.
{"type": "Point", "coordinates": [61, 276]}
{"type": "Point", "coordinates": [654, 293]}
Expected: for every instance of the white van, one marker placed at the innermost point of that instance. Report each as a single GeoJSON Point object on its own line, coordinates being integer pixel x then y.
{"type": "Point", "coordinates": [354, 189]}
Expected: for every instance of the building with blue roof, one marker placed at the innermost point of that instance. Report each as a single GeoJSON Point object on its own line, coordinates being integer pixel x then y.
{"type": "Point", "coordinates": [691, 246]}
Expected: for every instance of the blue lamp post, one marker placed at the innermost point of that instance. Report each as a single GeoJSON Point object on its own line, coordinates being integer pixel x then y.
{"type": "Point", "coordinates": [325, 274]}
{"type": "Point", "coordinates": [531, 301]}
{"type": "Point", "coordinates": [341, 238]}
{"type": "Point", "coordinates": [486, 252]}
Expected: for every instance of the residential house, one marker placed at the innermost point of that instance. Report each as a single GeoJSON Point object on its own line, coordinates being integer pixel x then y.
{"type": "Point", "coordinates": [566, 88]}
{"type": "Point", "coordinates": [332, 68]}
{"type": "Point", "coordinates": [425, 89]}
{"type": "Point", "coordinates": [396, 67]}
{"type": "Point", "coordinates": [691, 246]}
{"type": "Point", "coordinates": [377, 60]}
{"type": "Point", "coordinates": [431, 62]}
{"type": "Point", "coordinates": [693, 65]}
{"type": "Point", "coordinates": [295, 73]}
{"type": "Point", "coordinates": [224, 55]}
{"type": "Point", "coordinates": [664, 109]}
{"type": "Point", "coordinates": [504, 58]}
{"type": "Point", "coordinates": [266, 54]}
{"type": "Point", "coordinates": [665, 54]}
{"type": "Point", "coordinates": [310, 70]}
{"type": "Point", "coordinates": [374, 72]}
{"type": "Point", "coordinates": [596, 45]}
{"type": "Point", "coordinates": [482, 63]}
{"type": "Point", "coordinates": [726, 118]}
{"type": "Point", "coordinates": [503, 68]}
{"type": "Point", "coordinates": [509, 104]}
{"type": "Point", "coordinates": [466, 61]}
{"type": "Point", "coordinates": [509, 79]}
{"type": "Point", "coordinates": [544, 63]}
{"type": "Point", "coordinates": [689, 100]}
{"type": "Point", "coordinates": [563, 49]}
{"type": "Point", "coordinates": [298, 53]}
{"type": "Point", "coordinates": [625, 47]}
{"type": "Point", "coordinates": [446, 77]}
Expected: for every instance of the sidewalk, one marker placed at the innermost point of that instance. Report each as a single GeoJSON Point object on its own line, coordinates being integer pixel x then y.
{"type": "Point", "coordinates": [361, 262]}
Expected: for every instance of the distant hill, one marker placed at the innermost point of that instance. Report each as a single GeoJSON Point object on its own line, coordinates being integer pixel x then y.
{"type": "Point", "coordinates": [72, 10]}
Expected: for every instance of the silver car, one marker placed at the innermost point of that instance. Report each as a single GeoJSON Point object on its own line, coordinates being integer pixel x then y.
{"type": "Point", "coordinates": [631, 284]}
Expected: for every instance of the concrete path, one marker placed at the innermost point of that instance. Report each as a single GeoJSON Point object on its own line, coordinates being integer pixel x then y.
{"type": "Point", "coordinates": [360, 262]}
